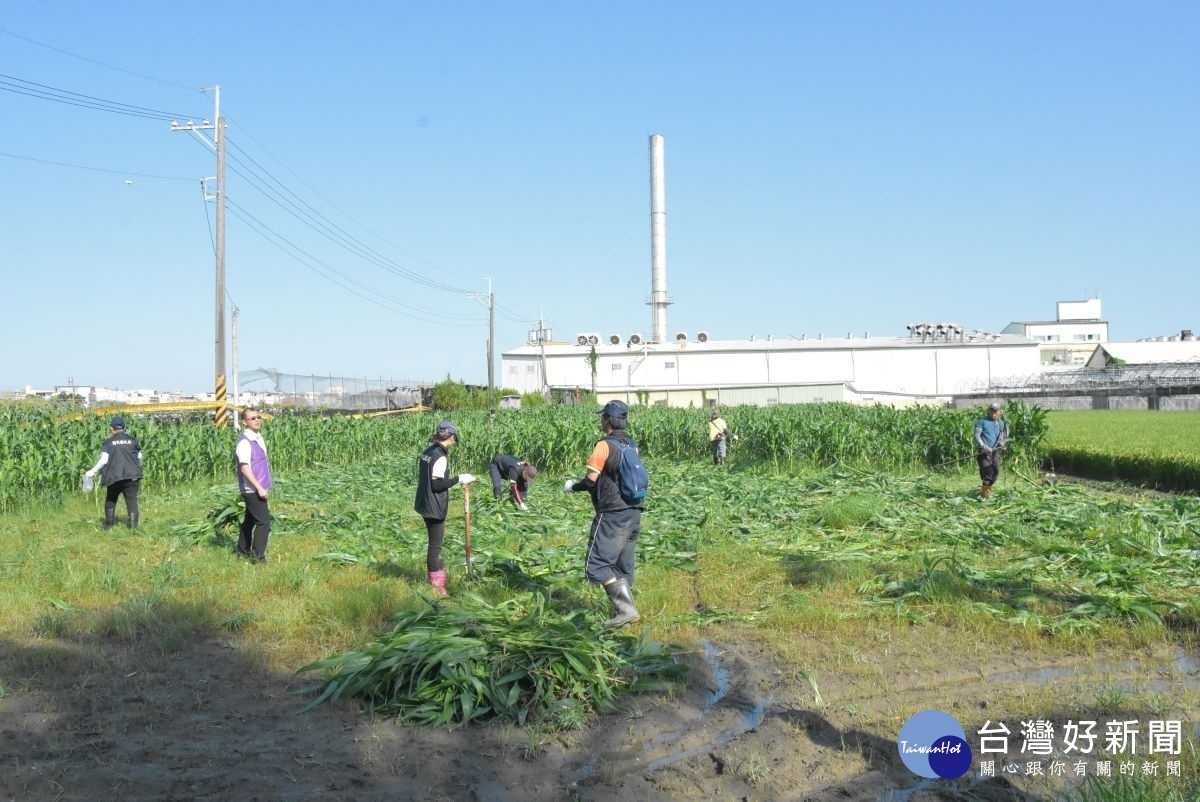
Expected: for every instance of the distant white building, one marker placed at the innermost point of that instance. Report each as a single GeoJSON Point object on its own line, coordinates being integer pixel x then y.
{"type": "Point", "coordinates": [1071, 338]}
{"type": "Point", "coordinates": [704, 372]}
{"type": "Point", "coordinates": [1146, 353]}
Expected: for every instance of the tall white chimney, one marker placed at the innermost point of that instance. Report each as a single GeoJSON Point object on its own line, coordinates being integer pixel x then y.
{"type": "Point", "coordinates": [658, 242]}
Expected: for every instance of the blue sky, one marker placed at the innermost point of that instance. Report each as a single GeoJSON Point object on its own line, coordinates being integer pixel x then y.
{"type": "Point", "coordinates": [831, 167]}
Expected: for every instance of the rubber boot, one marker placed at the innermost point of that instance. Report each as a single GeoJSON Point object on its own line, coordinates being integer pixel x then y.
{"type": "Point", "coordinates": [985, 491]}
{"type": "Point", "coordinates": [133, 520]}
{"type": "Point", "coordinates": [622, 602]}
{"type": "Point", "coordinates": [437, 583]}
{"type": "Point", "coordinates": [110, 516]}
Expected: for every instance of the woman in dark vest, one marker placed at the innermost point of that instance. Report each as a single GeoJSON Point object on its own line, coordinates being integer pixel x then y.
{"type": "Point", "coordinates": [433, 498]}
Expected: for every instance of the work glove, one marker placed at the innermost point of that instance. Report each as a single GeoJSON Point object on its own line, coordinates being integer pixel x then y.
{"type": "Point", "coordinates": [523, 507]}
{"type": "Point", "coordinates": [569, 485]}
{"type": "Point", "coordinates": [465, 478]}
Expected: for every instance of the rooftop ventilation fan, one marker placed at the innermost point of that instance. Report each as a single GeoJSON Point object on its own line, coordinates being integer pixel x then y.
{"type": "Point", "coordinates": [681, 336]}
{"type": "Point", "coordinates": [614, 339]}
{"type": "Point", "coordinates": [702, 336]}
{"type": "Point", "coordinates": [635, 339]}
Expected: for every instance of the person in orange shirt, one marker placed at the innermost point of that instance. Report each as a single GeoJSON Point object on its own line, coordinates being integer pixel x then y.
{"type": "Point", "coordinates": [615, 527]}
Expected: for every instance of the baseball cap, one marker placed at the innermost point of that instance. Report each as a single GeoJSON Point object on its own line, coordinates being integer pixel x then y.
{"type": "Point", "coordinates": [615, 409]}
{"type": "Point", "coordinates": [447, 428]}
{"type": "Point", "coordinates": [996, 407]}
{"type": "Point", "coordinates": [117, 423]}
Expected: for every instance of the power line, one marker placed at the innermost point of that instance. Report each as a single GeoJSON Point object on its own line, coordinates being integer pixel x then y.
{"type": "Point", "coordinates": [95, 169]}
{"type": "Point", "coordinates": [335, 232]}
{"type": "Point", "coordinates": [94, 61]}
{"type": "Point", "coordinates": [45, 92]}
{"type": "Point", "coordinates": [339, 210]}
{"type": "Point", "coordinates": [310, 262]}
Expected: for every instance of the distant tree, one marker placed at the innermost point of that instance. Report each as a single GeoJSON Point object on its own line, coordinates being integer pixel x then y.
{"type": "Point", "coordinates": [450, 396]}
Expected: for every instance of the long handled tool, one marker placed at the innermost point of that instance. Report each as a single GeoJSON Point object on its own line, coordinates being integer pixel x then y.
{"type": "Point", "coordinates": [467, 518]}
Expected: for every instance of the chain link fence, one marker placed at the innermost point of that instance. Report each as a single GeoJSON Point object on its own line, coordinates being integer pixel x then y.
{"type": "Point", "coordinates": [269, 387]}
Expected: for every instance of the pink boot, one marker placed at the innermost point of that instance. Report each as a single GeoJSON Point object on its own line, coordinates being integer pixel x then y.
{"type": "Point", "coordinates": [437, 581]}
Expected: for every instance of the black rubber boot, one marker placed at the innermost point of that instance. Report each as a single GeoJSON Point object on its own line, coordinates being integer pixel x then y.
{"type": "Point", "coordinates": [110, 516]}
{"type": "Point", "coordinates": [133, 520]}
{"type": "Point", "coordinates": [622, 602]}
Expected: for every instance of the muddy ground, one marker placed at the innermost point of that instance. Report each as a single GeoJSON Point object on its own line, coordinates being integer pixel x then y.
{"type": "Point", "coordinates": [102, 720]}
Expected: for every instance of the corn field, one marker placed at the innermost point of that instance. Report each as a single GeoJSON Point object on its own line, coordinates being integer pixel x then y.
{"type": "Point", "coordinates": [44, 455]}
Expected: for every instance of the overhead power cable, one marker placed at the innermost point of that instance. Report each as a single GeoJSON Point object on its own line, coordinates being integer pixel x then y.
{"type": "Point", "coordinates": [95, 169]}
{"type": "Point", "coordinates": [343, 280]}
{"type": "Point", "coordinates": [94, 61]}
{"type": "Point", "coordinates": [242, 130]}
{"type": "Point", "coordinates": [20, 86]}
{"type": "Point", "coordinates": [319, 222]}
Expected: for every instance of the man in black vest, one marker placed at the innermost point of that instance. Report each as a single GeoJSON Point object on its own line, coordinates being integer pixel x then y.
{"type": "Point", "coordinates": [120, 467]}
{"type": "Point", "coordinates": [617, 523]}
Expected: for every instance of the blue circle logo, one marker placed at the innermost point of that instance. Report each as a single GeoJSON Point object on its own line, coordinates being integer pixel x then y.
{"type": "Point", "coordinates": [933, 744]}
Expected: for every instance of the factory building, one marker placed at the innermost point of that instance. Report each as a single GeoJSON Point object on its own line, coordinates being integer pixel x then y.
{"type": "Point", "coordinates": [930, 365]}
{"type": "Point", "coordinates": [703, 372]}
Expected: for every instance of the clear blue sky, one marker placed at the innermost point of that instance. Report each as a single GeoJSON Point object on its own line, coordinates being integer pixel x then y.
{"type": "Point", "coordinates": [831, 167]}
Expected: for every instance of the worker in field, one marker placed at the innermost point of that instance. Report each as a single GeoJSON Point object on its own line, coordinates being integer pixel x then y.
{"type": "Point", "coordinates": [254, 483]}
{"type": "Point", "coordinates": [991, 435]}
{"type": "Point", "coordinates": [433, 498]}
{"type": "Point", "coordinates": [719, 437]}
{"type": "Point", "coordinates": [617, 482]}
{"type": "Point", "coordinates": [120, 469]}
{"type": "Point", "coordinates": [518, 473]}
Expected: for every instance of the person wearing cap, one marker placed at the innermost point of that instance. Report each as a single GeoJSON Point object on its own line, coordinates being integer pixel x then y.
{"type": "Point", "coordinates": [120, 469]}
{"type": "Point", "coordinates": [433, 498]}
{"type": "Point", "coordinates": [719, 436]}
{"type": "Point", "coordinates": [991, 435]}
{"type": "Point", "coordinates": [612, 543]}
{"type": "Point", "coordinates": [517, 472]}
{"type": "Point", "coordinates": [254, 483]}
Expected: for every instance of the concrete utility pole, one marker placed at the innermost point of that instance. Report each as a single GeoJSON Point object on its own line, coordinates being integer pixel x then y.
{"type": "Point", "coordinates": [541, 334]}
{"type": "Point", "coordinates": [491, 349]}
{"type": "Point", "coordinates": [491, 302]}
{"type": "Point", "coordinates": [218, 143]}
{"type": "Point", "coordinates": [236, 418]}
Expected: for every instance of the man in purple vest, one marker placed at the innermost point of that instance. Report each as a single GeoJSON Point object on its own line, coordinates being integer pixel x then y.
{"type": "Point", "coordinates": [254, 481]}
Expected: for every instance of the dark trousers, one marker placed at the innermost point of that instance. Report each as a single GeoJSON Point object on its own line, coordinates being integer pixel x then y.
{"type": "Point", "coordinates": [436, 529]}
{"type": "Point", "coordinates": [256, 527]}
{"type": "Point", "coordinates": [989, 467]}
{"type": "Point", "coordinates": [124, 487]}
{"type": "Point", "coordinates": [611, 546]}
{"type": "Point", "coordinates": [497, 479]}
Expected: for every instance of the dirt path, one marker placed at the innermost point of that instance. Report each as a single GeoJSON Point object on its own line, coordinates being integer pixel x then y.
{"type": "Point", "coordinates": [102, 721]}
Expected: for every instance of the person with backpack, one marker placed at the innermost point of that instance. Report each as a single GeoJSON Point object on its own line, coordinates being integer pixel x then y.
{"type": "Point", "coordinates": [616, 480]}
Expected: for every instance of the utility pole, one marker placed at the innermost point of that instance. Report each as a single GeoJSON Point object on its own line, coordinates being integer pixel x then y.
{"type": "Point", "coordinates": [218, 143]}
{"type": "Point", "coordinates": [491, 349]}
{"type": "Point", "coordinates": [491, 302]}
{"type": "Point", "coordinates": [542, 334]}
{"type": "Point", "coordinates": [233, 345]}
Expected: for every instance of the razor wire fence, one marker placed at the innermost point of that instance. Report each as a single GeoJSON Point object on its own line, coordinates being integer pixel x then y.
{"type": "Point", "coordinates": [269, 387]}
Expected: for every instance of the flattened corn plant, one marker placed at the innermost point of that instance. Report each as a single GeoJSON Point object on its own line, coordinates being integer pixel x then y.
{"type": "Point", "coordinates": [520, 660]}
